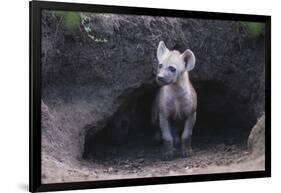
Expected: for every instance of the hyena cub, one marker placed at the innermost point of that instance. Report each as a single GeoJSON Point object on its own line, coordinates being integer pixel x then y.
{"type": "Point", "coordinates": [174, 109]}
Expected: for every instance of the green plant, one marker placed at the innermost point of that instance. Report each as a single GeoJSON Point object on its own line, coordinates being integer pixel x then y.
{"type": "Point", "coordinates": [71, 20]}
{"type": "Point", "coordinates": [254, 29]}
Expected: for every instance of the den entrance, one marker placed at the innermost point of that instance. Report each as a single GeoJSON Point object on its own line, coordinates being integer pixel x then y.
{"type": "Point", "coordinates": [127, 142]}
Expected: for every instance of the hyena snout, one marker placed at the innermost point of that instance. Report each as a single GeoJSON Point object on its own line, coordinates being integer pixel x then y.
{"type": "Point", "coordinates": [160, 79]}
{"type": "Point", "coordinates": [163, 80]}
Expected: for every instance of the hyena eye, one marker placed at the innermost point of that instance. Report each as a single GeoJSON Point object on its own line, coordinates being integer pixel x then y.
{"type": "Point", "coordinates": [160, 65]}
{"type": "Point", "coordinates": [172, 69]}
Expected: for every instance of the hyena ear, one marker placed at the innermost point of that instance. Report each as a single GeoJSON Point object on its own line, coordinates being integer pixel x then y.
{"type": "Point", "coordinates": [161, 50]}
{"type": "Point", "coordinates": [189, 59]}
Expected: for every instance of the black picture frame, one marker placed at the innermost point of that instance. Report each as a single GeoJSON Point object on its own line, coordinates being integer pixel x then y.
{"type": "Point", "coordinates": [35, 96]}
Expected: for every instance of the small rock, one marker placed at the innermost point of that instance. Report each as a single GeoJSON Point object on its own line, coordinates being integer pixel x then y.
{"type": "Point", "coordinates": [110, 169]}
{"type": "Point", "coordinates": [141, 160]}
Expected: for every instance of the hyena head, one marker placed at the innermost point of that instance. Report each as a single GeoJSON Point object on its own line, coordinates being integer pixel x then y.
{"type": "Point", "coordinates": [172, 64]}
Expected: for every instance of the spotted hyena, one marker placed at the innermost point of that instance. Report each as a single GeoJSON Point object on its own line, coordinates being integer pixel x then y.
{"type": "Point", "coordinates": [174, 109]}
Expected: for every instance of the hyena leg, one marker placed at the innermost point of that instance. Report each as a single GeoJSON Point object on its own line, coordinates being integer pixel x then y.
{"type": "Point", "coordinates": [186, 135]}
{"type": "Point", "coordinates": [176, 141]}
{"type": "Point", "coordinates": [167, 137]}
{"type": "Point", "coordinates": [176, 137]}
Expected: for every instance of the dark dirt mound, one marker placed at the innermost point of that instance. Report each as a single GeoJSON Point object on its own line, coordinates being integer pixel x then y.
{"type": "Point", "coordinates": [98, 84]}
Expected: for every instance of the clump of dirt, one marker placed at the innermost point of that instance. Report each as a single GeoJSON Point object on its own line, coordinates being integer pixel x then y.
{"type": "Point", "coordinates": [256, 141]}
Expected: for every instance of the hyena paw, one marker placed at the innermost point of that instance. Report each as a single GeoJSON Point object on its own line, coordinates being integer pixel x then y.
{"type": "Point", "coordinates": [186, 152]}
{"type": "Point", "coordinates": [168, 150]}
{"type": "Point", "coordinates": [167, 156]}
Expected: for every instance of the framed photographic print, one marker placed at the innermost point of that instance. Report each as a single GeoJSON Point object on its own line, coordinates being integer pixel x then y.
{"type": "Point", "coordinates": [125, 96]}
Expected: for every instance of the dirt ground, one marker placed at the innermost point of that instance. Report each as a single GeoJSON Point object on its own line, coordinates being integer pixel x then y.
{"type": "Point", "coordinates": [145, 161]}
